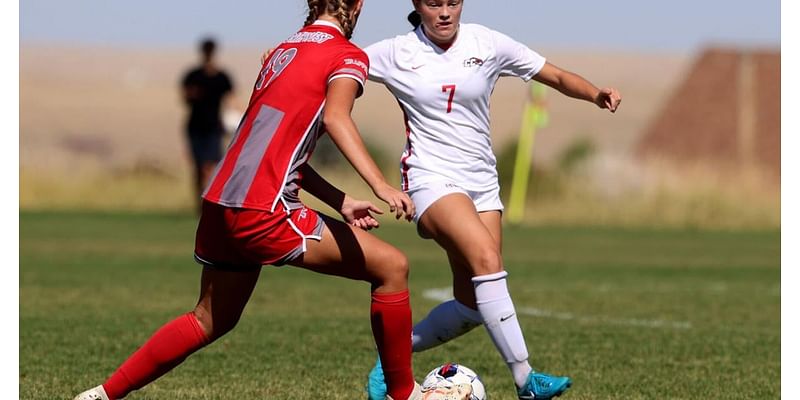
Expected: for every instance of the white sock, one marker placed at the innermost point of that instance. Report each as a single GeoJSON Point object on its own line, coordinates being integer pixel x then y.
{"type": "Point", "coordinates": [500, 319]}
{"type": "Point", "coordinates": [445, 322]}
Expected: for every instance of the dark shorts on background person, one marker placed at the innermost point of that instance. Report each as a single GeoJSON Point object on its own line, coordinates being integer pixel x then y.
{"type": "Point", "coordinates": [206, 147]}
{"type": "Point", "coordinates": [241, 239]}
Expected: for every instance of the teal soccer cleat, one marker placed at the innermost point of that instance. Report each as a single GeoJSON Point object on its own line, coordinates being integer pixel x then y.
{"type": "Point", "coordinates": [376, 384]}
{"type": "Point", "coordinates": [542, 386]}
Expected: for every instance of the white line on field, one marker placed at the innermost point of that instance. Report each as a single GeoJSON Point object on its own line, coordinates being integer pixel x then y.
{"type": "Point", "coordinates": [444, 294]}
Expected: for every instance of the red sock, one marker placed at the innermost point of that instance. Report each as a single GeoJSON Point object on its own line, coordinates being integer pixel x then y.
{"type": "Point", "coordinates": [391, 326]}
{"type": "Point", "coordinates": [167, 348]}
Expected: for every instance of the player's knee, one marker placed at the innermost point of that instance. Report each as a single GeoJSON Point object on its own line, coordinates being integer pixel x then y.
{"type": "Point", "coordinates": [395, 270]}
{"type": "Point", "coordinates": [399, 267]}
{"type": "Point", "coordinates": [488, 261]}
{"type": "Point", "coordinates": [225, 325]}
{"type": "Point", "coordinates": [215, 326]}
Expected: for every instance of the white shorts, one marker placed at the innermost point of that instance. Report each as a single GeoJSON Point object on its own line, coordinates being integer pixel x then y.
{"type": "Point", "coordinates": [425, 195]}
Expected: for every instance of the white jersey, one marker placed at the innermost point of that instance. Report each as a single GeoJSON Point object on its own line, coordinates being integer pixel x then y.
{"type": "Point", "coordinates": [445, 99]}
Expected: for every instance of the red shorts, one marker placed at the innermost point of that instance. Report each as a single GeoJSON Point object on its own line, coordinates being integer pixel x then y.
{"type": "Point", "coordinates": [242, 239]}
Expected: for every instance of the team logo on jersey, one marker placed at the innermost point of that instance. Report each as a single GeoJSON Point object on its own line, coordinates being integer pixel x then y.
{"type": "Point", "coordinates": [309, 37]}
{"type": "Point", "coordinates": [358, 63]}
{"type": "Point", "coordinates": [473, 62]}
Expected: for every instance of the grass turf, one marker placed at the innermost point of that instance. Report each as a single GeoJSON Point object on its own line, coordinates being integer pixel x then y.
{"type": "Point", "coordinates": [634, 314]}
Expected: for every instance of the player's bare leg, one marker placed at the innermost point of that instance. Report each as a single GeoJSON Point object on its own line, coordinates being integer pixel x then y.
{"type": "Point", "coordinates": [463, 289]}
{"type": "Point", "coordinates": [454, 224]}
{"type": "Point", "coordinates": [456, 317]}
{"type": "Point", "coordinates": [473, 242]}
{"type": "Point", "coordinates": [353, 253]}
{"type": "Point", "coordinates": [489, 292]}
{"type": "Point", "coordinates": [223, 296]}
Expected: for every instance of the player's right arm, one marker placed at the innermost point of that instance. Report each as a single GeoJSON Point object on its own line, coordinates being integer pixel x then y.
{"type": "Point", "coordinates": [355, 212]}
{"type": "Point", "coordinates": [338, 123]}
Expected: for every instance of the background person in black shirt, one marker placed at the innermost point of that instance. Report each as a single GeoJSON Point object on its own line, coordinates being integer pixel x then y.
{"type": "Point", "coordinates": [205, 89]}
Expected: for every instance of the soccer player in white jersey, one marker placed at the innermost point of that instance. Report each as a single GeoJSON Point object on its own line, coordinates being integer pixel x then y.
{"type": "Point", "coordinates": [442, 74]}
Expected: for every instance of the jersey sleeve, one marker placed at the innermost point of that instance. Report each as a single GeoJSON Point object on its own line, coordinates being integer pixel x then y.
{"type": "Point", "coordinates": [380, 58]}
{"type": "Point", "coordinates": [516, 59]}
{"type": "Point", "coordinates": [352, 64]}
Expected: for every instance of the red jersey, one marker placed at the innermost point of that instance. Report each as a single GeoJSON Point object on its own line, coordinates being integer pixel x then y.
{"type": "Point", "coordinates": [283, 120]}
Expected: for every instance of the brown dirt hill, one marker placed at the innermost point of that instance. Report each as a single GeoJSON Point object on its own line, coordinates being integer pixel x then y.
{"type": "Point", "coordinates": [726, 113]}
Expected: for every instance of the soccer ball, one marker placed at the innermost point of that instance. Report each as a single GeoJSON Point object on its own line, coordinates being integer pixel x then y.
{"type": "Point", "coordinates": [451, 374]}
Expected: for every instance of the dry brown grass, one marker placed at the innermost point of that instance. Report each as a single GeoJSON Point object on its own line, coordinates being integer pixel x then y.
{"type": "Point", "coordinates": [97, 189]}
{"type": "Point", "coordinates": [692, 197]}
{"type": "Point", "coordinates": [665, 195]}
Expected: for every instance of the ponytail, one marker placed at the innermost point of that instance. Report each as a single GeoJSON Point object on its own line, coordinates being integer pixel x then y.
{"type": "Point", "coordinates": [415, 19]}
{"type": "Point", "coordinates": [342, 14]}
{"type": "Point", "coordinates": [313, 11]}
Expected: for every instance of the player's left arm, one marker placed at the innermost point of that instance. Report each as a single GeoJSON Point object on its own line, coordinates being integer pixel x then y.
{"type": "Point", "coordinates": [355, 212]}
{"type": "Point", "coordinates": [574, 85]}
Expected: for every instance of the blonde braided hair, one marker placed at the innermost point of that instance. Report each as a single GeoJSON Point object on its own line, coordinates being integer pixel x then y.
{"type": "Point", "coordinates": [313, 11]}
{"type": "Point", "coordinates": [339, 9]}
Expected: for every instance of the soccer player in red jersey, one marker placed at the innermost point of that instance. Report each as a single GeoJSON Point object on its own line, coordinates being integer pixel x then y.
{"type": "Point", "coordinates": [252, 214]}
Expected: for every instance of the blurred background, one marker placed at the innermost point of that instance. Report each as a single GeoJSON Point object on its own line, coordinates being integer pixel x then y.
{"type": "Point", "coordinates": [647, 256]}
{"type": "Point", "coordinates": [696, 142]}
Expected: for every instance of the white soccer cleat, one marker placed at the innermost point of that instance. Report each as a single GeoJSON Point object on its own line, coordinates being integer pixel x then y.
{"type": "Point", "coordinates": [97, 393]}
{"type": "Point", "coordinates": [416, 394]}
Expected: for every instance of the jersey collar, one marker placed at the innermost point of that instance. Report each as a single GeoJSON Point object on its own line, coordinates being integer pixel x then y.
{"type": "Point", "coordinates": [420, 31]}
{"type": "Point", "coordinates": [330, 24]}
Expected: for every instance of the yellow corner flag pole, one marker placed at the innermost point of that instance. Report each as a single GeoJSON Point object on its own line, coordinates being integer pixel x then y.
{"type": "Point", "coordinates": [534, 116]}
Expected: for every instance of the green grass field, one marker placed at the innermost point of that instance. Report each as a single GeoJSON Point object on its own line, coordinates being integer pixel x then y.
{"type": "Point", "coordinates": [628, 314]}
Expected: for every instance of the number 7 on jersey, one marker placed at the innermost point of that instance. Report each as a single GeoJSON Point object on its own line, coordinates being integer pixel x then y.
{"type": "Point", "coordinates": [452, 89]}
